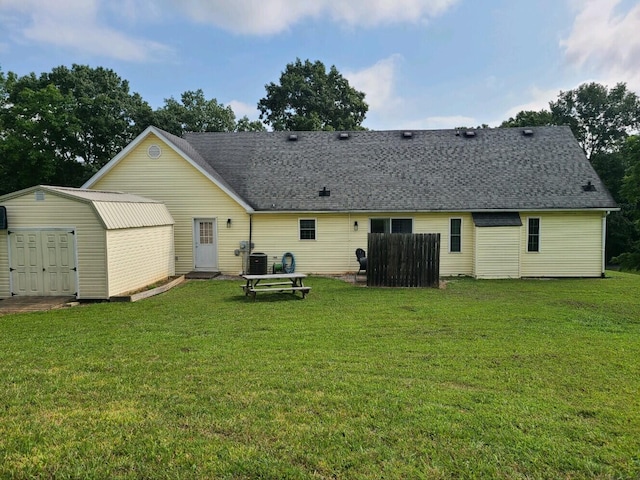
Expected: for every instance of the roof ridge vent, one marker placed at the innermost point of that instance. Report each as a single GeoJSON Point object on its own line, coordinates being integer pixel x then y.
{"type": "Point", "coordinates": [343, 135]}
{"type": "Point", "coordinates": [293, 137]}
{"type": "Point", "coordinates": [527, 132]}
{"type": "Point", "coordinates": [589, 187]}
{"type": "Point", "coordinates": [407, 134]}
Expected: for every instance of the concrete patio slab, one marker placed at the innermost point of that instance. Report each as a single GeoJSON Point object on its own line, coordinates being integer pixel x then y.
{"type": "Point", "coordinates": [32, 304]}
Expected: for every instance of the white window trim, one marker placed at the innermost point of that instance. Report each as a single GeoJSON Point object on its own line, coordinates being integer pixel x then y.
{"type": "Point", "coordinates": [539, 235]}
{"type": "Point", "coordinates": [461, 229]}
{"type": "Point", "coordinates": [315, 229]}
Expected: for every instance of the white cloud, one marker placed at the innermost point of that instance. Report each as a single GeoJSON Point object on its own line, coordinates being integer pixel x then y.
{"type": "Point", "coordinates": [263, 17]}
{"type": "Point", "coordinates": [75, 24]}
{"type": "Point", "coordinates": [537, 99]}
{"type": "Point", "coordinates": [437, 123]}
{"type": "Point", "coordinates": [241, 109]}
{"type": "Point", "coordinates": [378, 83]}
{"type": "Point", "coordinates": [606, 39]}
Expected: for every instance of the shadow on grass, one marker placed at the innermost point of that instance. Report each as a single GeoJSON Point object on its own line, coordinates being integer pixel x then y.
{"type": "Point", "coordinates": [262, 298]}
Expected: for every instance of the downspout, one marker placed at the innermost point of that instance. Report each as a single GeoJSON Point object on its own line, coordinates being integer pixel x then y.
{"type": "Point", "coordinates": [250, 241]}
{"type": "Point", "coordinates": [604, 242]}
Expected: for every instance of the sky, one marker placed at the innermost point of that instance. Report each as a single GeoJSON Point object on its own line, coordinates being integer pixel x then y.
{"type": "Point", "coordinates": [423, 64]}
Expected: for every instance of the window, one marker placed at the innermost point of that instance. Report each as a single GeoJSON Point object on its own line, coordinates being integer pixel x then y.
{"type": "Point", "coordinates": [206, 233]}
{"type": "Point", "coordinates": [455, 235]}
{"type": "Point", "coordinates": [307, 229]}
{"type": "Point", "coordinates": [391, 225]}
{"type": "Point", "coordinates": [533, 235]}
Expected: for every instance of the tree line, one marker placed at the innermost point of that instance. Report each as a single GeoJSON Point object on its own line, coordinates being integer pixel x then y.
{"type": "Point", "coordinates": [62, 126]}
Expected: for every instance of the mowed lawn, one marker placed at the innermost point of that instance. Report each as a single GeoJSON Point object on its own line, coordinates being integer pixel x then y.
{"type": "Point", "coordinates": [481, 379]}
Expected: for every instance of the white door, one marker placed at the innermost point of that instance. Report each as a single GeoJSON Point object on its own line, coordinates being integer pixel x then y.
{"type": "Point", "coordinates": [205, 245]}
{"type": "Point", "coordinates": [42, 262]}
{"type": "Point", "coordinates": [58, 255]}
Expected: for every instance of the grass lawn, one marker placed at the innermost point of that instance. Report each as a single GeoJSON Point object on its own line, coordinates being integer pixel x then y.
{"type": "Point", "coordinates": [483, 379]}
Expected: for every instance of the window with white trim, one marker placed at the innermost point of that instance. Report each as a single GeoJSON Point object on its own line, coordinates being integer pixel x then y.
{"type": "Point", "coordinates": [307, 228]}
{"type": "Point", "coordinates": [533, 235]}
{"type": "Point", "coordinates": [455, 235]}
{"type": "Point", "coordinates": [391, 225]}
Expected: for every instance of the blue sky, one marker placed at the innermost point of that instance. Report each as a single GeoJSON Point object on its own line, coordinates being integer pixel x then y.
{"type": "Point", "coordinates": [421, 63]}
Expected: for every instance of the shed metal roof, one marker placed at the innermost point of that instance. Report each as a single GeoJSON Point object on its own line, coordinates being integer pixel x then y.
{"type": "Point", "coordinates": [116, 210]}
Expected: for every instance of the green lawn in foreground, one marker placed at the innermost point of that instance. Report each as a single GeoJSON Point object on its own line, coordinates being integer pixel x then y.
{"type": "Point", "coordinates": [483, 379]}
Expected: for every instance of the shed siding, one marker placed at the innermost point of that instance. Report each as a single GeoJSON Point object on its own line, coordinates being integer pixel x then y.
{"type": "Point", "coordinates": [570, 245]}
{"type": "Point", "coordinates": [188, 194]}
{"type": "Point", "coordinates": [4, 265]}
{"type": "Point", "coordinates": [497, 252]}
{"type": "Point", "coordinates": [54, 211]}
{"type": "Point", "coordinates": [138, 257]}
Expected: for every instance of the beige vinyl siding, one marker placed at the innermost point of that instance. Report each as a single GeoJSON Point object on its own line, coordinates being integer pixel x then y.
{"type": "Point", "coordinates": [330, 252]}
{"type": "Point", "coordinates": [570, 245]}
{"type": "Point", "coordinates": [55, 211]}
{"type": "Point", "coordinates": [138, 257]}
{"type": "Point", "coordinates": [4, 264]}
{"type": "Point", "coordinates": [497, 252]}
{"type": "Point", "coordinates": [333, 250]}
{"type": "Point", "coordinates": [451, 263]}
{"type": "Point", "coordinates": [188, 194]}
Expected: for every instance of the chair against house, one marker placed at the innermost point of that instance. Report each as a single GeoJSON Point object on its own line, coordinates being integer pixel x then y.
{"type": "Point", "coordinates": [362, 260]}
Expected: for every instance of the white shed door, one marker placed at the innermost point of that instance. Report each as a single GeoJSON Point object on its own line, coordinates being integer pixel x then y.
{"type": "Point", "coordinates": [205, 245]}
{"type": "Point", "coordinates": [43, 262]}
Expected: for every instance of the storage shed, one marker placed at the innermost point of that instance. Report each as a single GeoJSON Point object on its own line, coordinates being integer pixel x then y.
{"type": "Point", "coordinates": [90, 244]}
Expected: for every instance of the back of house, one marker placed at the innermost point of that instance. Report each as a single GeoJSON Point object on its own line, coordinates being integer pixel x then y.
{"type": "Point", "coordinates": [508, 203]}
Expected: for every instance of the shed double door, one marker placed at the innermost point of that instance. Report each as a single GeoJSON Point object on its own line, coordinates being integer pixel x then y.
{"type": "Point", "coordinates": [43, 262]}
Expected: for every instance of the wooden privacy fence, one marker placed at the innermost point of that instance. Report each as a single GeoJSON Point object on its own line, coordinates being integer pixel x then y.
{"type": "Point", "coordinates": [403, 260]}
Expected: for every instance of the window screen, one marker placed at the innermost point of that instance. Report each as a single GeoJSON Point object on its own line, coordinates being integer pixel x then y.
{"type": "Point", "coordinates": [307, 229]}
{"type": "Point", "coordinates": [533, 241]}
{"type": "Point", "coordinates": [455, 235]}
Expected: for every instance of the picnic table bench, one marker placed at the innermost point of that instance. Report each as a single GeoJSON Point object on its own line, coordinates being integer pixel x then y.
{"type": "Point", "coordinates": [275, 282]}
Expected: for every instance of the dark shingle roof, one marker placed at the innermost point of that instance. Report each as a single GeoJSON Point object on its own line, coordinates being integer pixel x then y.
{"type": "Point", "coordinates": [433, 170]}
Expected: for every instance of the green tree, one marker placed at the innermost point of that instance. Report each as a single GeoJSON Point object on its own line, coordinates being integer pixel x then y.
{"type": "Point", "coordinates": [194, 113]}
{"type": "Point", "coordinates": [310, 98]}
{"type": "Point", "coordinates": [600, 118]}
{"type": "Point", "coordinates": [246, 125]}
{"type": "Point", "coordinates": [631, 182]}
{"type": "Point", "coordinates": [629, 256]}
{"type": "Point", "coordinates": [35, 140]}
{"type": "Point", "coordinates": [64, 125]}
{"type": "Point", "coordinates": [529, 118]}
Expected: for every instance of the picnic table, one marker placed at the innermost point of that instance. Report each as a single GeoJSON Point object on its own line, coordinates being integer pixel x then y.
{"type": "Point", "coordinates": [275, 282]}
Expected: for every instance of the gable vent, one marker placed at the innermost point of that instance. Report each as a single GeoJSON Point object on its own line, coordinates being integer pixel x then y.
{"type": "Point", "coordinates": [527, 132]}
{"type": "Point", "coordinates": [407, 134]}
{"type": "Point", "coordinates": [154, 151]}
{"type": "Point", "coordinates": [343, 136]}
{"type": "Point", "coordinates": [293, 137]}
{"type": "Point", "coordinates": [39, 196]}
